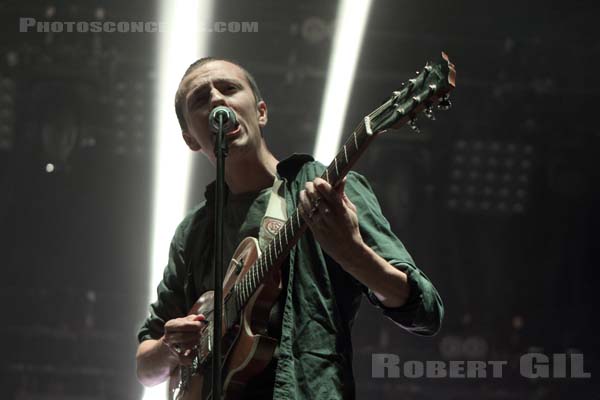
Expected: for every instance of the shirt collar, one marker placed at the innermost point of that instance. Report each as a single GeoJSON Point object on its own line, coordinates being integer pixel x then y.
{"type": "Point", "coordinates": [287, 169]}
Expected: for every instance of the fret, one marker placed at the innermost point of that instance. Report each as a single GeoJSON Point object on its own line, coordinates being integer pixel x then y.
{"type": "Point", "coordinates": [298, 218]}
{"type": "Point", "coordinates": [292, 226]}
{"type": "Point", "coordinates": [259, 262]}
{"type": "Point", "coordinates": [273, 252]}
{"type": "Point", "coordinates": [327, 175]}
{"type": "Point", "coordinates": [345, 154]}
{"type": "Point", "coordinates": [261, 272]}
{"type": "Point", "coordinates": [337, 173]}
{"type": "Point", "coordinates": [355, 140]}
{"type": "Point", "coordinates": [269, 255]}
{"type": "Point", "coordinates": [280, 246]}
{"type": "Point", "coordinates": [285, 234]}
{"type": "Point", "coordinates": [261, 265]}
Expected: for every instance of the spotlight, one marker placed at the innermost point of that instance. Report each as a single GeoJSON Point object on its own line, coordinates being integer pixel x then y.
{"type": "Point", "coordinates": [489, 178]}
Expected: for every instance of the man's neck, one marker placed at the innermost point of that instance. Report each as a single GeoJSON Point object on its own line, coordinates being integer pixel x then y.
{"type": "Point", "coordinates": [251, 173]}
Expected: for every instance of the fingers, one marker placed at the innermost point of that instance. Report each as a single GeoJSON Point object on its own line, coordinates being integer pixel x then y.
{"type": "Point", "coordinates": [319, 199]}
{"type": "Point", "coordinates": [312, 207]}
{"type": "Point", "coordinates": [186, 324]}
{"type": "Point", "coordinates": [182, 336]}
{"type": "Point", "coordinates": [185, 356]}
{"type": "Point", "coordinates": [197, 317]}
{"type": "Point", "coordinates": [334, 196]}
{"type": "Point", "coordinates": [183, 352]}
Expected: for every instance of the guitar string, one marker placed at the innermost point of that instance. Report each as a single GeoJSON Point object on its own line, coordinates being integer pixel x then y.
{"type": "Point", "coordinates": [250, 284]}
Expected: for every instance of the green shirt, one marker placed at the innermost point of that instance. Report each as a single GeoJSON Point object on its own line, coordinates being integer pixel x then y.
{"type": "Point", "coordinates": [321, 299]}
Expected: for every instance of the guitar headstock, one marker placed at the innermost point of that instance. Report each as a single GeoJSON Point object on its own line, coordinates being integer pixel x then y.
{"type": "Point", "coordinates": [431, 86]}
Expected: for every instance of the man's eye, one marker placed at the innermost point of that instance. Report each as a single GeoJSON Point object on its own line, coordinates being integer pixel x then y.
{"type": "Point", "coordinates": [200, 101]}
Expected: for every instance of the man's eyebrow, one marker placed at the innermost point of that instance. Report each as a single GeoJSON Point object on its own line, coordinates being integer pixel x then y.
{"type": "Point", "coordinates": [202, 88]}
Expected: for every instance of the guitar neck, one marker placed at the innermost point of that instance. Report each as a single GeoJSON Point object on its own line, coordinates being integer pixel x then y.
{"type": "Point", "coordinates": [419, 94]}
{"type": "Point", "coordinates": [280, 246]}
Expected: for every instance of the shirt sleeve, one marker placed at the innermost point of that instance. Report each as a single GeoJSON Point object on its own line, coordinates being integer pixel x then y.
{"type": "Point", "coordinates": [423, 312]}
{"type": "Point", "coordinates": [170, 301]}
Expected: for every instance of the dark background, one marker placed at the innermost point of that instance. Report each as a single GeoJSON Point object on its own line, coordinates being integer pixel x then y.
{"type": "Point", "coordinates": [496, 200]}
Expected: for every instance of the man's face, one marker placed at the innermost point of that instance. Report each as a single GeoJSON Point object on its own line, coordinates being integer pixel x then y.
{"type": "Point", "coordinates": [220, 83]}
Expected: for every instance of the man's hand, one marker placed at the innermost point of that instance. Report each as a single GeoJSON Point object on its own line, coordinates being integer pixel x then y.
{"type": "Point", "coordinates": [332, 218]}
{"type": "Point", "coordinates": [182, 336]}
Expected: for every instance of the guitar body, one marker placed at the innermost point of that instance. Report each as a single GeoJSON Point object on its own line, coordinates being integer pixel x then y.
{"type": "Point", "coordinates": [246, 346]}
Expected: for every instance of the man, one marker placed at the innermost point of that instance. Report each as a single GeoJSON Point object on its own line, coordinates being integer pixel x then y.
{"type": "Point", "coordinates": [349, 250]}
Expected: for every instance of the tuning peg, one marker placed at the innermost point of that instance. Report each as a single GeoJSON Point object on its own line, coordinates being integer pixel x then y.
{"type": "Point", "coordinates": [444, 103]}
{"type": "Point", "coordinates": [429, 112]}
{"type": "Point", "coordinates": [413, 125]}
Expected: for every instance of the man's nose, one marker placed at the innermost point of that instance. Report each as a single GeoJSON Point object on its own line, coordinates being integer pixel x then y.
{"type": "Point", "coordinates": [216, 99]}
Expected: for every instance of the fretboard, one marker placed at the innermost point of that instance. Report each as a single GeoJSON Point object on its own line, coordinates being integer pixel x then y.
{"type": "Point", "coordinates": [289, 234]}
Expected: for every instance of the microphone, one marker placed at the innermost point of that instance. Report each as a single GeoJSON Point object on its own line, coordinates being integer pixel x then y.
{"type": "Point", "coordinates": [228, 116]}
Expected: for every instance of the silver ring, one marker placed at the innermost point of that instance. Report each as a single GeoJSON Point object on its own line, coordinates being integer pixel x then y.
{"type": "Point", "coordinates": [315, 203]}
{"type": "Point", "coordinates": [177, 348]}
{"type": "Point", "coordinates": [315, 207]}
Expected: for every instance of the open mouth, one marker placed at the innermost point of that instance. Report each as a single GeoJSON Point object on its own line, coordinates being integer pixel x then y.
{"type": "Point", "coordinates": [235, 130]}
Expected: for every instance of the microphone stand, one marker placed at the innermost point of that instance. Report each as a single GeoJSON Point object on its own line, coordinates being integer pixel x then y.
{"type": "Point", "coordinates": [221, 153]}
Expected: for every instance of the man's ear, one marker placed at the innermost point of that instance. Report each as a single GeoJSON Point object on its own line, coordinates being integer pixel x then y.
{"type": "Point", "coordinates": [190, 141]}
{"type": "Point", "coordinates": [262, 114]}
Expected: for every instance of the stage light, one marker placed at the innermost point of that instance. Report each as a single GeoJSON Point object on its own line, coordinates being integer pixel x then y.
{"type": "Point", "coordinates": [181, 43]}
{"type": "Point", "coordinates": [351, 20]}
{"type": "Point", "coordinates": [130, 117]}
{"type": "Point", "coordinates": [489, 178]}
{"type": "Point", "coordinates": [7, 113]}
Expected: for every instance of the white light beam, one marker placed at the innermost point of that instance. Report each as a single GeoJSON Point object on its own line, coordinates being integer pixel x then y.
{"type": "Point", "coordinates": [180, 44]}
{"type": "Point", "coordinates": [351, 21]}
